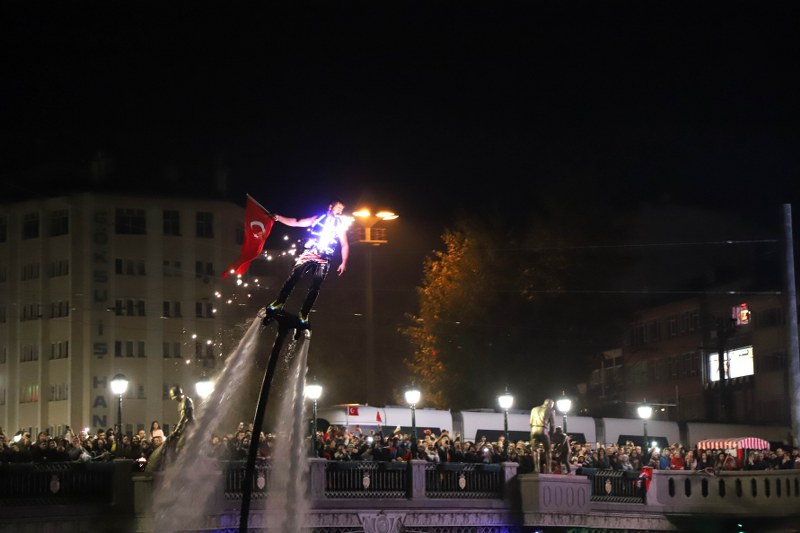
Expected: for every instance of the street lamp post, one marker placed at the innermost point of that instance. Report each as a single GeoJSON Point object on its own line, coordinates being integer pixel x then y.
{"type": "Point", "coordinates": [313, 392]}
{"type": "Point", "coordinates": [119, 384]}
{"type": "Point", "coordinates": [506, 400]}
{"type": "Point", "coordinates": [373, 237]}
{"type": "Point", "coordinates": [412, 398]}
{"type": "Point", "coordinates": [564, 404]}
{"type": "Point", "coordinates": [645, 412]}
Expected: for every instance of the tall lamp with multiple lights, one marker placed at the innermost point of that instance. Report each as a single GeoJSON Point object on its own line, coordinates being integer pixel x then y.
{"type": "Point", "coordinates": [119, 385]}
{"type": "Point", "coordinates": [645, 412]}
{"type": "Point", "coordinates": [313, 392]}
{"type": "Point", "coordinates": [564, 404]}
{"type": "Point", "coordinates": [373, 237]}
{"type": "Point", "coordinates": [506, 400]}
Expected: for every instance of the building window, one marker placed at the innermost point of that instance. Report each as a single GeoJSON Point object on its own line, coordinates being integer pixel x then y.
{"type": "Point", "coordinates": [129, 308]}
{"type": "Point", "coordinates": [683, 325]}
{"type": "Point", "coordinates": [29, 271]}
{"type": "Point", "coordinates": [130, 222]}
{"type": "Point", "coordinates": [205, 225]}
{"type": "Point", "coordinates": [171, 350]}
{"type": "Point", "coordinates": [171, 310]}
{"type": "Point", "coordinates": [29, 353]}
{"type": "Point", "coordinates": [638, 334]}
{"type": "Point", "coordinates": [29, 394]}
{"type": "Point", "coordinates": [59, 309]}
{"type": "Point", "coordinates": [130, 267]}
{"type": "Point", "coordinates": [58, 268]}
{"type": "Point", "coordinates": [30, 226]}
{"type": "Point", "coordinates": [770, 318]}
{"type": "Point", "coordinates": [653, 331]}
{"type": "Point", "coordinates": [172, 269]}
{"type": "Point", "coordinates": [672, 326]}
{"type": "Point", "coordinates": [59, 222]}
{"type": "Point", "coordinates": [172, 222]}
{"type": "Point", "coordinates": [3, 313]}
{"type": "Point", "coordinates": [30, 312]}
{"type": "Point", "coordinates": [3, 229]}
{"type": "Point", "coordinates": [3, 274]}
{"type": "Point", "coordinates": [140, 349]}
{"type": "Point", "coordinates": [694, 320]}
{"type": "Point", "coordinates": [202, 269]}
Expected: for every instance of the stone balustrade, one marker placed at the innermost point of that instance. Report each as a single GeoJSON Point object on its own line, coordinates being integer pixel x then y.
{"type": "Point", "coordinates": [416, 496]}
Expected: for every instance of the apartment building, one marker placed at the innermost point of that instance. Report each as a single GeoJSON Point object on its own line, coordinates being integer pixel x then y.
{"type": "Point", "coordinates": [95, 285]}
{"type": "Point", "coordinates": [670, 358]}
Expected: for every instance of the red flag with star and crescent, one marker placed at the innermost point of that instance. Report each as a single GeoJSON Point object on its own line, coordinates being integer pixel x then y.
{"type": "Point", "coordinates": [257, 225]}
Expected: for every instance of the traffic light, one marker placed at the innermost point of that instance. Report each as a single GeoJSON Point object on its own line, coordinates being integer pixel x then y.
{"type": "Point", "coordinates": [741, 314]}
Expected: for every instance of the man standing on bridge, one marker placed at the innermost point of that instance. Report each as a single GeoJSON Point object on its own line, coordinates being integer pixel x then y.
{"type": "Point", "coordinates": [542, 422]}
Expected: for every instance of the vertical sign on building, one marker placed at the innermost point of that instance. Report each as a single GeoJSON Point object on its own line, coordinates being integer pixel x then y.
{"type": "Point", "coordinates": [100, 301]}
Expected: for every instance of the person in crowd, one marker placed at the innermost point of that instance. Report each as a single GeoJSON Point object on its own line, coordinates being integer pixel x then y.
{"type": "Point", "coordinates": [635, 458]}
{"type": "Point", "coordinates": [561, 449]}
{"type": "Point", "coordinates": [101, 452]}
{"type": "Point", "coordinates": [724, 461]}
{"type": "Point", "coordinates": [753, 462]}
{"type": "Point", "coordinates": [154, 425]}
{"type": "Point", "coordinates": [655, 460]}
{"type": "Point", "coordinates": [690, 461]}
{"type": "Point", "coordinates": [601, 462]}
{"type": "Point", "coordinates": [677, 461]}
{"type": "Point", "coordinates": [76, 449]}
{"type": "Point", "coordinates": [703, 460]}
{"type": "Point", "coordinates": [782, 460]}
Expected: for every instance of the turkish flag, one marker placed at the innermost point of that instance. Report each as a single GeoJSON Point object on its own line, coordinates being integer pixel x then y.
{"type": "Point", "coordinates": [378, 416]}
{"type": "Point", "coordinates": [257, 225]}
{"type": "Point", "coordinates": [352, 410]}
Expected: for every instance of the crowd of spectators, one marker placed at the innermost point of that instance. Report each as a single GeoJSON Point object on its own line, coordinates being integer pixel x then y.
{"type": "Point", "coordinates": [79, 447]}
{"type": "Point", "coordinates": [568, 457]}
{"type": "Point", "coordinates": [340, 444]}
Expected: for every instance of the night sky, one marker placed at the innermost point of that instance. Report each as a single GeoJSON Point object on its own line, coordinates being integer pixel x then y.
{"type": "Point", "coordinates": [432, 109]}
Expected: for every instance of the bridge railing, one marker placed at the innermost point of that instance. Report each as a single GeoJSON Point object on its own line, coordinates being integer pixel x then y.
{"type": "Point", "coordinates": [616, 486]}
{"type": "Point", "coordinates": [56, 483]}
{"type": "Point", "coordinates": [732, 492]}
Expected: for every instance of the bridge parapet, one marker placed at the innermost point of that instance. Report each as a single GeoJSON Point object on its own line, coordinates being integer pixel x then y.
{"type": "Point", "coordinates": [738, 493]}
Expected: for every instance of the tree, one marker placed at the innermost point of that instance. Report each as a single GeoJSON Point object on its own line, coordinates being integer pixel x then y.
{"type": "Point", "coordinates": [475, 302]}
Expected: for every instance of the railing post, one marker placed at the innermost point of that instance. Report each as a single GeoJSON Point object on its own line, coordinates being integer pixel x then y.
{"type": "Point", "coordinates": [509, 487]}
{"type": "Point", "coordinates": [122, 485]}
{"type": "Point", "coordinates": [316, 481]}
{"type": "Point", "coordinates": [417, 479]}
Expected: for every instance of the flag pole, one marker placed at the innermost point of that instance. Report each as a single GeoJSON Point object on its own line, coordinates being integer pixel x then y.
{"type": "Point", "coordinates": [259, 205]}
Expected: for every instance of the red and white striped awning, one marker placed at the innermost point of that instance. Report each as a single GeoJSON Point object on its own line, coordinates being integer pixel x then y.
{"type": "Point", "coordinates": [733, 443]}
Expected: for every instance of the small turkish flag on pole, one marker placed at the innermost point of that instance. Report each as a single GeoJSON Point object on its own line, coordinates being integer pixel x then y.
{"type": "Point", "coordinates": [378, 416]}
{"type": "Point", "coordinates": [257, 225]}
{"type": "Point", "coordinates": [352, 410]}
